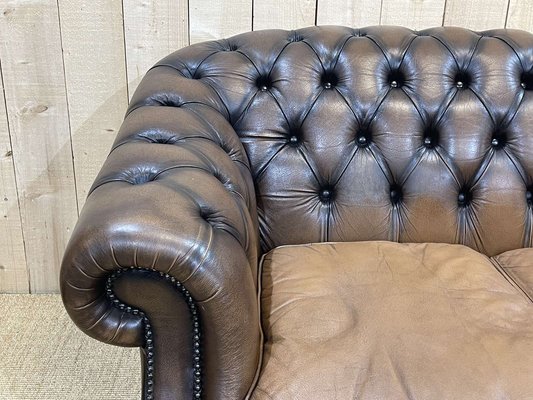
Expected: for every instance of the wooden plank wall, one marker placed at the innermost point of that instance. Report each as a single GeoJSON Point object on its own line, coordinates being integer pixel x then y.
{"type": "Point", "coordinates": [68, 68]}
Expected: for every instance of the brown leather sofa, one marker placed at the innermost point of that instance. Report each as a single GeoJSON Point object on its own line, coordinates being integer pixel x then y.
{"type": "Point", "coordinates": [385, 176]}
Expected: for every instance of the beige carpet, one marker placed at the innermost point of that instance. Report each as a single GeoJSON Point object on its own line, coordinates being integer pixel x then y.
{"type": "Point", "coordinates": [44, 356]}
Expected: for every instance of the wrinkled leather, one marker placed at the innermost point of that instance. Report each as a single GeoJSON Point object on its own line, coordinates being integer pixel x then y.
{"type": "Point", "coordinates": [518, 266]}
{"type": "Point", "coordinates": [321, 134]}
{"type": "Point", "coordinates": [381, 320]}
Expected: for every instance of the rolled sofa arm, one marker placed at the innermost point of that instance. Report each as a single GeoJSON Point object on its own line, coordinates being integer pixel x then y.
{"type": "Point", "coordinates": [164, 255]}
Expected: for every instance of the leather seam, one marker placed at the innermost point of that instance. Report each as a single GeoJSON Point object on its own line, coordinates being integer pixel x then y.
{"type": "Point", "coordinates": [512, 280]}
{"type": "Point", "coordinates": [259, 367]}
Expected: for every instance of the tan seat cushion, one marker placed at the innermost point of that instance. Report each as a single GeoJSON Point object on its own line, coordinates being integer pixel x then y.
{"type": "Point", "coordinates": [380, 320]}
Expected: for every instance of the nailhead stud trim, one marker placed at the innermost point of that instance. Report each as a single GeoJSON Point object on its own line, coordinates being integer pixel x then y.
{"type": "Point", "coordinates": [148, 333]}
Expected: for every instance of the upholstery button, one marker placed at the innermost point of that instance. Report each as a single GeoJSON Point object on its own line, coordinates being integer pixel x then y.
{"type": "Point", "coordinates": [526, 80]}
{"type": "Point", "coordinates": [462, 80]}
{"type": "Point", "coordinates": [364, 135]}
{"type": "Point", "coordinates": [395, 193]}
{"type": "Point", "coordinates": [431, 134]}
{"type": "Point", "coordinates": [326, 195]}
{"type": "Point", "coordinates": [499, 138]}
{"type": "Point", "coordinates": [263, 83]}
{"type": "Point", "coordinates": [529, 196]}
{"type": "Point", "coordinates": [396, 79]}
{"type": "Point", "coordinates": [293, 139]}
{"type": "Point", "coordinates": [464, 197]}
{"type": "Point", "coordinates": [329, 80]}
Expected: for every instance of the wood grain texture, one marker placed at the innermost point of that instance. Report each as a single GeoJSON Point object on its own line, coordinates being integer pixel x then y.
{"type": "Point", "coordinates": [94, 56]}
{"type": "Point", "coordinates": [476, 14]}
{"type": "Point", "coordinates": [283, 14]}
{"type": "Point", "coordinates": [520, 15]}
{"type": "Point", "coordinates": [355, 13]}
{"type": "Point", "coordinates": [152, 30]}
{"type": "Point", "coordinates": [38, 119]}
{"type": "Point", "coordinates": [211, 20]}
{"type": "Point", "coordinates": [13, 273]}
{"type": "Point", "coordinates": [415, 14]}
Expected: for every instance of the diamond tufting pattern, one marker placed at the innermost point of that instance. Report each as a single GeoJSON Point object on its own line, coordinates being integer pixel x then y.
{"type": "Point", "coordinates": [417, 136]}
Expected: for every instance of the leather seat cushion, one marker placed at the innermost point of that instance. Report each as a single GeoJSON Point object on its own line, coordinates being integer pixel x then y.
{"type": "Point", "coordinates": [382, 320]}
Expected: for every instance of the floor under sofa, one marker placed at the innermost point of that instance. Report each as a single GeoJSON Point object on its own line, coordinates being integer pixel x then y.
{"type": "Point", "coordinates": [45, 357]}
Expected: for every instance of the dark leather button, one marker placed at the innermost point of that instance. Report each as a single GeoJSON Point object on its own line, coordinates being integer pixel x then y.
{"type": "Point", "coordinates": [464, 197]}
{"type": "Point", "coordinates": [293, 139]}
{"type": "Point", "coordinates": [529, 196]}
{"type": "Point", "coordinates": [263, 83]}
{"type": "Point", "coordinates": [329, 80]}
{"type": "Point", "coordinates": [364, 136]}
{"type": "Point", "coordinates": [326, 195]}
{"type": "Point", "coordinates": [396, 79]}
{"type": "Point", "coordinates": [499, 138]}
{"type": "Point", "coordinates": [431, 134]}
{"type": "Point", "coordinates": [462, 80]}
{"type": "Point", "coordinates": [526, 80]}
{"type": "Point", "coordinates": [395, 193]}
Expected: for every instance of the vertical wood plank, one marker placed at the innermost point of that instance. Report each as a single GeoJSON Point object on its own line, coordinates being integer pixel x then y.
{"type": "Point", "coordinates": [354, 13]}
{"type": "Point", "coordinates": [283, 14]}
{"type": "Point", "coordinates": [412, 14]}
{"type": "Point", "coordinates": [153, 29]}
{"type": "Point", "coordinates": [95, 70]}
{"type": "Point", "coordinates": [520, 15]}
{"type": "Point", "coordinates": [13, 273]}
{"type": "Point", "coordinates": [38, 120]}
{"type": "Point", "coordinates": [215, 19]}
{"type": "Point", "coordinates": [476, 14]}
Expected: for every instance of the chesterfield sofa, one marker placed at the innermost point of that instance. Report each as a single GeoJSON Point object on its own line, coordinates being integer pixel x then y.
{"type": "Point", "coordinates": [327, 213]}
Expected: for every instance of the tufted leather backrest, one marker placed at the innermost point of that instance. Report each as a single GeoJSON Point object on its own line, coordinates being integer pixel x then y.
{"type": "Point", "coordinates": [375, 133]}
